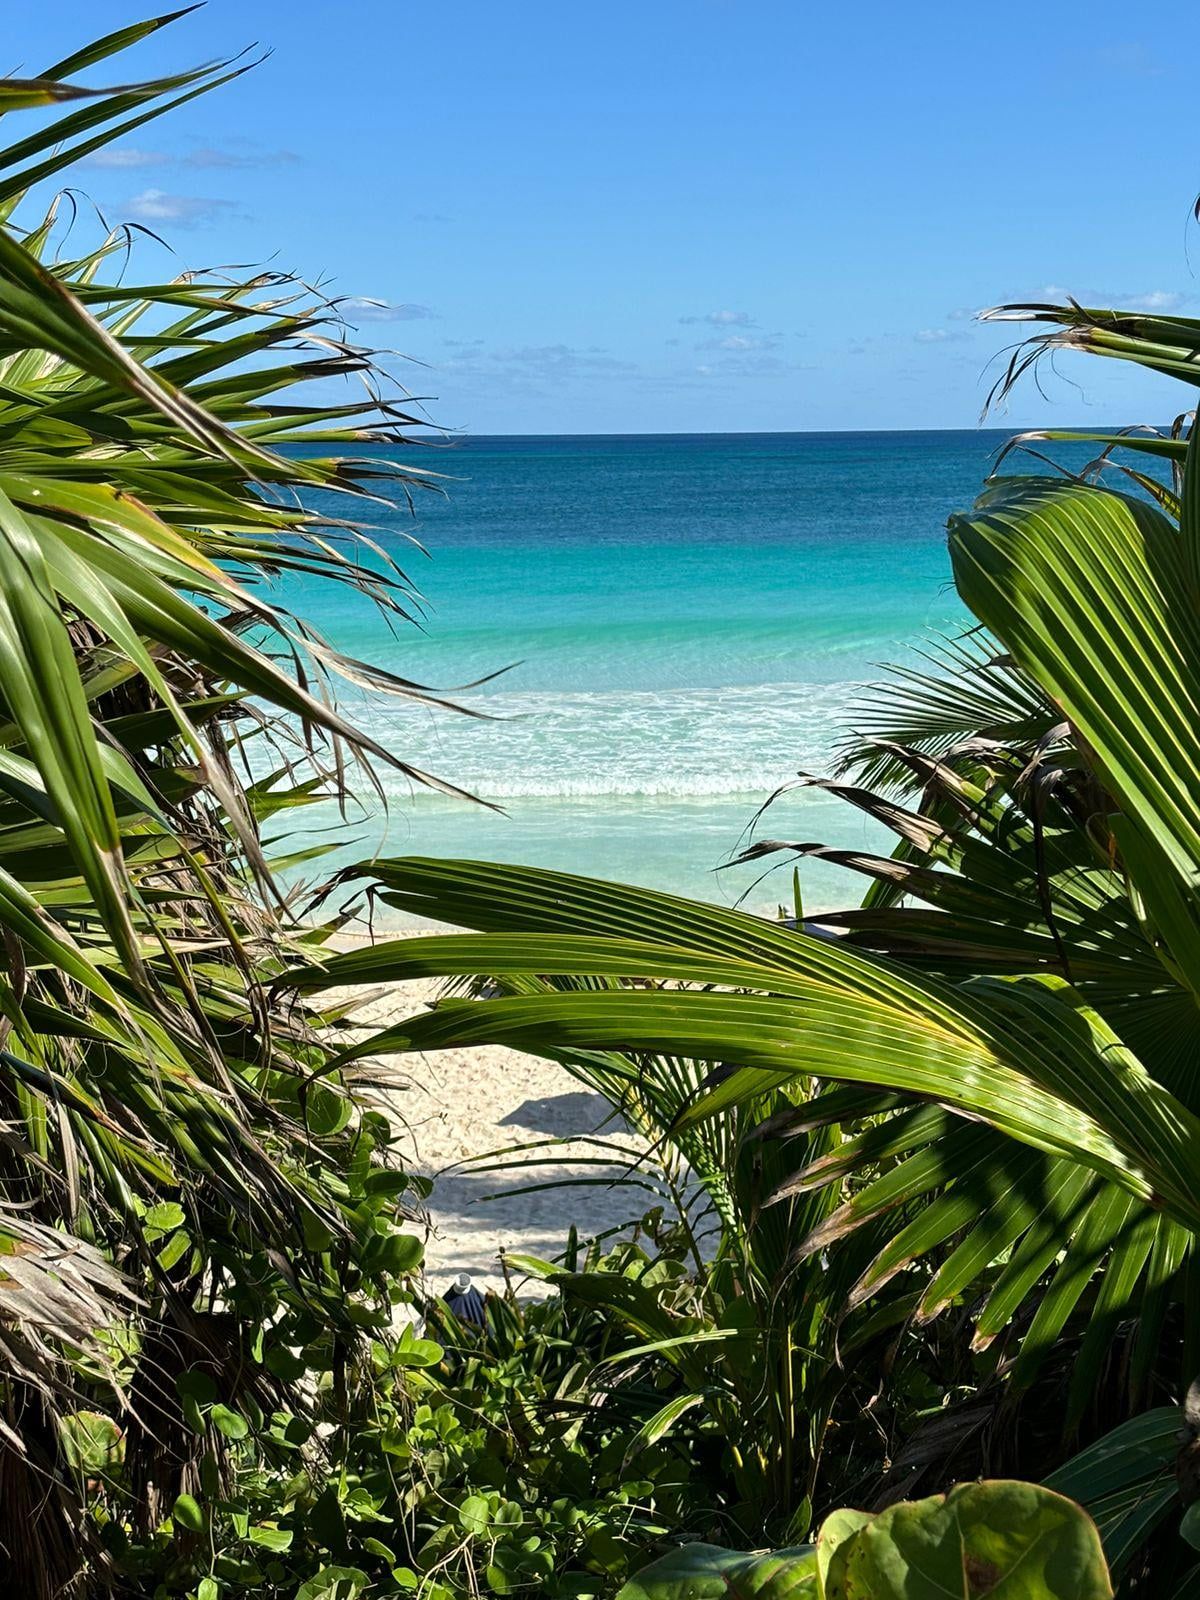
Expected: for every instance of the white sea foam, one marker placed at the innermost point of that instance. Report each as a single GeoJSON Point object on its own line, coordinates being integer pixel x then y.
{"type": "Point", "coordinates": [678, 744]}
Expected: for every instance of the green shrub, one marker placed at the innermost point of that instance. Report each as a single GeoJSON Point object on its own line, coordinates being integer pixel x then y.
{"type": "Point", "coordinates": [479, 1461]}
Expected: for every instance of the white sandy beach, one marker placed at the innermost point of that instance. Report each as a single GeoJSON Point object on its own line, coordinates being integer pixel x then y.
{"type": "Point", "coordinates": [458, 1104]}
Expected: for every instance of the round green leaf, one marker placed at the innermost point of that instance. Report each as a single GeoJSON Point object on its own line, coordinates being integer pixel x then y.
{"type": "Point", "coordinates": [198, 1385]}
{"type": "Point", "coordinates": [271, 1538]}
{"type": "Point", "coordinates": [187, 1513]}
{"type": "Point", "coordinates": [473, 1515]}
{"type": "Point", "coordinates": [1001, 1540]}
{"type": "Point", "coordinates": [230, 1423]}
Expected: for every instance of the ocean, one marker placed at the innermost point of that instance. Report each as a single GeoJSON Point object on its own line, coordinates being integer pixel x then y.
{"type": "Point", "coordinates": [686, 621]}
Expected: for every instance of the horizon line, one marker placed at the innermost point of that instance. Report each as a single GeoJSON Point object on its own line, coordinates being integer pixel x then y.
{"type": "Point", "coordinates": [452, 436]}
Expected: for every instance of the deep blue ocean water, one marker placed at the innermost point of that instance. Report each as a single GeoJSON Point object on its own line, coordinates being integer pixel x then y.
{"type": "Point", "coordinates": [689, 619]}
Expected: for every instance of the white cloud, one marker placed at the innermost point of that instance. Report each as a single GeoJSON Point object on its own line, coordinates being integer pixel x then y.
{"type": "Point", "coordinates": [939, 335]}
{"type": "Point", "coordinates": [128, 157]}
{"type": "Point", "coordinates": [542, 362]}
{"type": "Point", "coordinates": [723, 319]}
{"type": "Point", "coordinates": [738, 341]}
{"type": "Point", "coordinates": [185, 210]}
{"type": "Point", "coordinates": [750, 364]}
{"type": "Point", "coordinates": [363, 308]}
{"type": "Point", "coordinates": [1165, 300]}
{"type": "Point", "coordinates": [214, 156]}
{"type": "Point", "coordinates": [123, 158]}
{"type": "Point", "coordinates": [1154, 300]}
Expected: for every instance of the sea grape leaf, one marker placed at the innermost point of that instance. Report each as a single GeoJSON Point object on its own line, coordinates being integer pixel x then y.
{"type": "Point", "coordinates": [231, 1423]}
{"type": "Point", "coordinates": [994, 1540]}
{"type": "Point", "coordinates": [834, 1531]}
{"type": "Point", "coordinates": [187, 1513]}
{"type": "Point", "coordinates": [271, 1538]}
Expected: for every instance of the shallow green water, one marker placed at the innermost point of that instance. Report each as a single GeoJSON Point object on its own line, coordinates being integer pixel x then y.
{"type": "Point", "coordinates": [690, 616]}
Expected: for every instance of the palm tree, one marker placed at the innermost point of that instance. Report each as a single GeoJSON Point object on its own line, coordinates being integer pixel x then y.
{"type": "Point", "coordinates": [182, 1168]}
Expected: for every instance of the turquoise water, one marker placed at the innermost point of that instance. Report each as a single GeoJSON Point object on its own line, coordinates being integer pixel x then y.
{"type": "Point", "coordinates": [688, 619]}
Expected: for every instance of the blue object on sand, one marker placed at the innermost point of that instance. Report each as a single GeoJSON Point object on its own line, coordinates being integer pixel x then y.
{"type": "Point", "coordinates": [465, 1300]}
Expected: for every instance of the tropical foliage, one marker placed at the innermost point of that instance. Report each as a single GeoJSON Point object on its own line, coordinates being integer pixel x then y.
{"type": "Point", "coordinates": [200, 1230]}
{"type": "Point", "coordinates": [917, 1170]}
{"type": "Point", "coordinates": [741, 1356]}
{"type": "Point", "coordinates": [475, 1464]}
{"type": "Point", "coordinates": [1005, 1032]}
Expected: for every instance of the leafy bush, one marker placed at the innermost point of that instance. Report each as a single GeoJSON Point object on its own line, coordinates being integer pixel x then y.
{"type": "Point", "coordinates": [483, 1460]}
{"type": "Point", "coordinates": [527, 1476]}
{"type": "Point", "coordinates": [745, 1360]}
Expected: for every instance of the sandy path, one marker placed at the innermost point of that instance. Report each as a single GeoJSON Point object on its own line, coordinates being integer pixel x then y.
{"type": "Point", "coordinates": [454, 1104]}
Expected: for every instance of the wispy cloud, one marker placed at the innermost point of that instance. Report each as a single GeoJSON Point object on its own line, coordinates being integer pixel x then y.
{"type": "Point", "coordinates": [738, 341]}
{"type": "Point", "coordinates": [940, 335]}
{"type": "Point", "coordinates": [184, 210]}
{"type": "Point", "coordinates": [542, 369]}
{"type": "Point", "coordinates": [539, 363]}
{"type": "Point", "coordinates": [217, 156]}
{"type": "Point", "coordinates": [1165, 300]}
{"type": "Point", "coordinates": [750, 364]}
{"type": "Point", "coordinates": [363, 308]}
{"type": "Point", "coordinates": [1130, 59]}
{"type": "Point", "coordinates": [1154, 300]}
{"type": "Point", "coordinates": [722, 319]}
{"type": "Point", "coordinates": [125, 158]}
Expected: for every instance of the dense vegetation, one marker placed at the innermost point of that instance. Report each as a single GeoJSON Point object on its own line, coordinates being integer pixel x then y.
{"type": "Point", "coordinates": [923, 1202]}
{"type": "Point", "coordinates": [201, 1227]}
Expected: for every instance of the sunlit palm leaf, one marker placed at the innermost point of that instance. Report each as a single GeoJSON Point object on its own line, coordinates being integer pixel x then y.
{"type": "Point", "coordinates": [155, 707]}
{"type": "Point", "coordinates": [1093, 594]}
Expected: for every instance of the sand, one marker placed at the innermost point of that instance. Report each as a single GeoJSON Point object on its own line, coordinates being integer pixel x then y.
{"type": "Point", "coordinates": [452, 1105]}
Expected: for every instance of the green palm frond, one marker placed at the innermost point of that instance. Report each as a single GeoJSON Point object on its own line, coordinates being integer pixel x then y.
{"type": "Point", "coordinates": [175, 1143]}
{"type": "Point", "coordinates": [1164, 344]}
{"type": "Point", "coordinates": [966, 692]}
{"type": "Point", "coordinates": [831, 1014]}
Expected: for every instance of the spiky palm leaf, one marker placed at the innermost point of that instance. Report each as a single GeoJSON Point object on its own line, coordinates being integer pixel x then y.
{"type": "Point", "coordinates": [177, 1155]}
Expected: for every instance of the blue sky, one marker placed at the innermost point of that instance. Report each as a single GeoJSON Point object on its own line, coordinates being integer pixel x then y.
{"type": "Point", "coordinates": [682, 215]}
